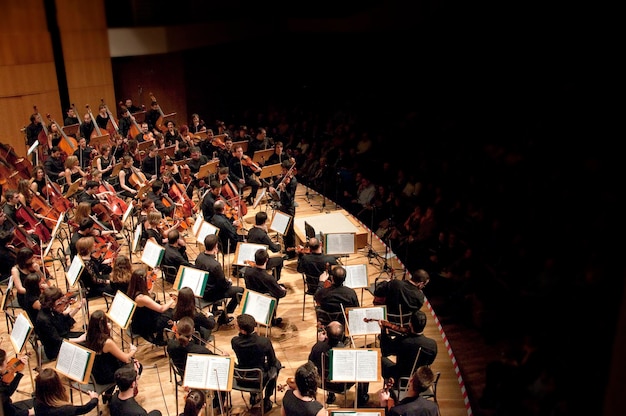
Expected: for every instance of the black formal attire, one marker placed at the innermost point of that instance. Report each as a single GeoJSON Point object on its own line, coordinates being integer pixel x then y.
{"type": "Point", "coordinates": [294, 406]}
{"type": "Point", "coordinates": [178, 353]}
{"type": "Point", "coordinates": [224, 156]}
{"type": "Point", "coordinates": [53, 166]}
{"type": "Point", "coordinates": [194, 167]}
{"type": "Point", "coordinates": [29, 300]}
{"type": "Point", "coordinates": [259, 280]}
{"type": "Point", "coordinates": [84, 157]}
{"type": "Point", "coordinates": [42, 409]}
{"type": "Point", "coordinates": [332, 298]}
{"type": "Point", "coordinates": [400, 293]}
{"type": "Point", "coordinates": [258, 235]}
{"type": "Point", "coordinates": [237, 171]}
{"type": "Point", "coordinates": [51, 328]}
{"type": "Point", "coordinates": [92, 199]}
{"type": "Point", "coordinates": [228, 233]}
{"type": "Point", "coordinates": [180, 155]}
{"type": "Point", "coordinates": [70, 121]}
{"type": "Point", "coordinates": [6, 390]}
{"type": "Point", "coordinates": [405, 348]}
{"type": "Point", "coordinates": [313, 265]}
{"type": "Point", "coordinates": [32, 133]}
{"type": "Point", "coordinates": [176, 257]}
{"type": "Point", "coordinates": [104, 366]}
{"type": "Point", "coordinates": [288, 206]}
{"type": "Point", "coordinates": [7, 260]}
{"type": "Point", "coordinates": [254, 351]}
{"type": "Point", "coordinates": [277, 158]}
{"type": "Point", "coordinates": [151, 166]}
{"type": "Point", "coordinates": [152, 116]}
{"type": "Point", "coordinates": [105, 162]}
{"type": "Point", "coordinates": [217, 286]}
{"type": "Point", "coordinates": [86, 130]}
{"type": "Point", "coordinates": [414, 406]}
{"type": "Point", "coordinates": [129, 407]}
{"type": "Point", "coordinates": [207, 206]}
{"type": "Point", "coordinates": [102, 122]}
{"type": "Point", "coordinates": [124, 125]}
{"type": "Point", "coordinates": [73, 240]}
{"type": "Point", "coordinates": [255, 145]}
{"type": "Point", "coordinates": [159, 205]}
{"type": "Point", "coordinates": [150, 324]}
{"type": "Point", "coordinates": [94, 277]}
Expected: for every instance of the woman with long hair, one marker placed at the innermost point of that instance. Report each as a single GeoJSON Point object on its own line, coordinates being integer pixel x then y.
{"type": "Point", "coordinates": [38, 180]}
{"type": "Point", "coordinates": [83, 210]}
{"type": "Point", "coordinates": [150, 318]}
{"type": "Point", "coordinates": [195, 403]}
{"type": "Point", "coordinates": [52, 398]}
{"type": "Point", "coordinates": [120, 275]}
{"type": "Point", "coordinates": [74, 172]}
{"type": "Point", "coordinates": [109, 356]}
{"type": "Point", "coordinates": [186, 306]}
{"type": "Point", "coordinates": [302, 401]}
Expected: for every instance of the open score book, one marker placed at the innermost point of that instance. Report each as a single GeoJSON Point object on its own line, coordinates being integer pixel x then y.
{"type": "Point", "coordinates": [209, 372]}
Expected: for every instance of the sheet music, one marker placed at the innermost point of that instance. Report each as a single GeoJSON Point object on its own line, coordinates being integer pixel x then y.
{"type": "Point", "coordinates": [280, 222]}
{"type": "Point", "coordinates": [259, 306]}
{"type": "Point", "coordinates": [206, 228]}
{"type": "Point", "coordinates": [369, 412]}
{"type": "Point", "coordinates": [358, 326]}
{"type": "Point", "coordinates": [245, 251]}
{"type": "Point", "coordinates": [206, 371]}
{"type": "Point", "coordinates": [21, 331]}
{"type": "Point", "coordinates": [354, 365]}
{"type": "Point", "coordinates": [195, 279]}
{"type": "Point", "coordinates": [356, 276]}
{"type": "Point", "coordinates": [54, 234]}
{"type": "Point", "coordinates": [152, 254]}
{"type": "Point", "coordinates": [136, 237]}
{"type": "Point", "coordinates": [196, 225]}
{"type": "Point", "coordinates": [75, 269]}
{"type": "Point", "coordinates": [340, 243]}
{"type": "Point", "coordinates": [73, 360]}
{"type": "Point", "coordinates": [121, 310]}
{"type": "Point", "coordinates": [127, 213]}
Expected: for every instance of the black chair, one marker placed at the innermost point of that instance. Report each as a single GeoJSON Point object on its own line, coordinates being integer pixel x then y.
{"type": "Point", "coordinates": [402, 386]}
{"type": "Point", "coordinates": [308, 290]}
{"type": "Point", "coordinates": [91, 386]}
{"type": "Point", "coordinates": [250, 380]}
{"type": "Point", "coordinates": [325, 317]}
{"type": "Point", "coordinates": [168, 274]}
{"type": "Point", "coordinates": [178, 381]}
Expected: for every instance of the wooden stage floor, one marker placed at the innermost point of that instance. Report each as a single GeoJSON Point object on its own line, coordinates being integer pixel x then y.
{"type": "Point", "coordinates": [292, 341]}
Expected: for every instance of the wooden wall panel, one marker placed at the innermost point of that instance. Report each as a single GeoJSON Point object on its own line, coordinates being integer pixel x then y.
{"type": "Point", "coordinates": [22, 16]}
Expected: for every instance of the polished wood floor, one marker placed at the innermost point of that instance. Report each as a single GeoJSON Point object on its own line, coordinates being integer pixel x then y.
{"type": "Point", "coordinates": [292, 341]}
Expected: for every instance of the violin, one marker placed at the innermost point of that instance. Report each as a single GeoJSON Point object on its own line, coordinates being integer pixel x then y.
{"type": "Point", "coordinates": [328, 282]}
{"type": "Point", "coordinates": [247, 161]}
{"type": "Point", "coordinates": [289, 383]}
{"type": "Point", "coordinates": [66, 300]}
{"type": "Point", "coordinates": [151, 279]}
{"type": "Point", "coordinates": [14, 366]}
{"type": "Point", "coordinates": [387, 389]}
{"type": "Point", "coordinates": [389, 325]}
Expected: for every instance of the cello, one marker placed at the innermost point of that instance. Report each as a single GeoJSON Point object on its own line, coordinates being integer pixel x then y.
{"type": "Point", "coordinates": [22, 165]}
{"type": "Point", "coordinates": [112, 127]}
{"type": "Point", "coordinates": [229, 192]}
{"type": "Point", "coordinates": [42, 138]}
{"type": "Point", "coordinates": [69, 144]}
{"type": "Point", "coordinates": [134, 127]}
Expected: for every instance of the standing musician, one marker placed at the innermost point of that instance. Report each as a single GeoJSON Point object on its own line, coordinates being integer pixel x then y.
{"type": "Point", "coordinates": [242, 174]}
{"type": "Point", "coordinates": [286, 187]}
{"type": "Point", "coordinates": [71, 117]}
{"type": "Point", "coordinates": [87, 127]}
{"type": "Point", "coordinates": [102, 118]}
{"type": "Point", "coordinates": [34, 129]}
{"type": "Point", "coordinates": [151, 164]}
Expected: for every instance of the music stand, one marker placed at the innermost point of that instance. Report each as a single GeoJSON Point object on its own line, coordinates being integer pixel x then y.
{"type": "Point", "coordinates": [73, 188]}
{"type": "Point", "coordinates": [309, 231]}
{"type": "Point", "coordinates": [243, 143]}
{"type": "Point", "coordinates": [259, 198]}
{"type": "Point", "coordinates": [143, 146]}
{"type": "Point", "coordinates": [270, 170]}
{"type": "Point", "coordinates": [116, 169]}
{"type": "Point", "coordinates": [97, 141]}
{"type": "Point", "coordinates": [167, 151]}
{"type": "Point", "coordinates": [71, 129]}
{"type": "Point", "coordinates": [140, 116]}
{"type": "Point", "coordinates": [209, 168]}
{"type": "Point", "coordinates": [260, 156]}
{"type": "Point", "coordinates": [201, 135]}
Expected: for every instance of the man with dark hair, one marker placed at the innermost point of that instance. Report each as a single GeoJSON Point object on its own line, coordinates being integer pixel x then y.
{"type": "Point", "coordinates": [259, 280]}
{"type": "Point", "coordinates": [412, 350]}
{"type": "Point", "coordinates": [336, 297]}
{"type": "Point", "coordinates": [217, 286]}
{"type": "Point", "coordinates": [123, 402]}
{"type": "Point", "coordinates": [228, 232]}
{"type": "Point", "coordinates": [175, 254]}
{"type": "Point", "coordinates": [151, 163]}
{"type": "Point", "coordinates": [254, 351]}
{"type": "Point", "coordinates": [85, 229]}
{"type": "Point", "coordinates": [90, 194]}
{"type": "Point", "coordinates": [156, 194]}
{"type": "Point", "coordinates": [54, 165]}
{"type": "Point", "coordinates": [403, 296]}
{"type": "Point", "coordinates": [208, 200]}
{"type": "Point", "coordinates": [258, 235]}
{"type": "Point", "coordinates": [286, 187]}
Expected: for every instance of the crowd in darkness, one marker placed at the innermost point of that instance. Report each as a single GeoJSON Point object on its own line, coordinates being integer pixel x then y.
{"type": "Point", "coordinates": [508, 227]}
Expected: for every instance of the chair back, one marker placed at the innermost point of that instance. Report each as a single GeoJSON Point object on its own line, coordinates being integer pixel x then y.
{"type": "Point", "coordinates": [325, 317]}
{"type": "Point", "coordinates": [169, 273]}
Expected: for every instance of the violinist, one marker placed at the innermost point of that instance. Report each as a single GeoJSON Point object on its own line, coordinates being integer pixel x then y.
{"type": "Point", "coordinates": [25, 265]}
{"type": "Point", "coordinates": [226, 153]}
{"type": "Point", "coordinates": [175, 253]}
{"type": "Point", "coordinates": [7, 251]}
{"type": "Point", "coordinates": [32, 305]}
{"type": "Point", "coordinates": [413, 404]}
{"type": "Point", "coordinates": [95, 275]}
{"type": "Point", "coordinates": [287, 186]}
{"type": "Point", "coordinates": [258, 235]}
{"type": "Point", "coordinates": [259, 280]}
{"type": "Point", "coordinates": [186, 307]}
{"type": "Point", "coordinates": [8, 368]}
{"type": "Point", "coordinates": [86, 228]}
{"type": "Point", "coordinates": [336, 297]}
{"type": "Point", "coordinates": [403, 296]}
{"type": "Point", "coordinates": [314, 263]}
{"type": "Point", "coordinates": [184, 343]}
{"type": "Point", "coordinates": [207, 147]}
{"type": "Point", "coordinates": [241, 174]}
{"type": "Point", "coordinates": [154, 228]}
{"type": "Point", "coordinates": [260, 142]}
{"type": "Point", "coordinates": [55, 321]}
{"type": "Point", "coordinates": [208, 200]}
{"type": "Point", "coordinates": [156, 194]}
{"type": "Point", "coordinates": [120, 275]}
{"type": "Point", "coordinates": [183, 151]}
{"type": "Point", "coordinates": [405, 348]}
{"type": "Point", "coordinates": [301, 401]}
{"type": "Point", "coordinates": [228, 230]}
{"type": "Point", "coordinates": [194, 164]}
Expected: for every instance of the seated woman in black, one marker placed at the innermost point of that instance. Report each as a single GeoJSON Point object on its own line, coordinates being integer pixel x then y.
{"type": "Point", "coordinates": [150, 318]}
{"type": "Point", "coordinates": [95, 276]}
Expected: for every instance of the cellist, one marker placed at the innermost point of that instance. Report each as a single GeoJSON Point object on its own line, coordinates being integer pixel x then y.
{"type": "Point", "coordinates": [33, 227]}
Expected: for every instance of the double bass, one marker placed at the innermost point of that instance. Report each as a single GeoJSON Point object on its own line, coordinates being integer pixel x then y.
{"type": "Point", "coordinates": [160, 123]}
{"type": "Point", "coordinates": [69, 144]}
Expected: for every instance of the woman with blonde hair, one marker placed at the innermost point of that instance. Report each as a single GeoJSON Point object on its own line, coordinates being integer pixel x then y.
{"type": "Point", "coordinates": [52, 398]}
{"type": "Point", "coordinates": [74, 172]}
{"type": "Point", "coordinates": [83, 210]}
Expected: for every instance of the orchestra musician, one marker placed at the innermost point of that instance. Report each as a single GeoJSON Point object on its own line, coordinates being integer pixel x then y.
{"type": "Point", "coordinates": [336, 297]}
{"type": "Point", "coordinates": [73, 171]}
{"type": "Point", "coordinates": [175, 253]}
{"type": "Point", "coordinates": [85, 154]}
{"type": "Point", "coordinates": [124, 123]}
{"type": "Point", "coordinates": [194, 164]}
{"type": "Point", "coordinates": [95, 275]}
{"type": "Point", "coordinates": [54, 165]}
{"type": "Point", "coordinates": [156, 194]}
{"type": "Point", "coordinates": [314, 262]}
{"type": "Point", "coordinates": [25, 264]}
{"type": "Point", "coordinates": [124, 187]}
{"type": "Point", "coordinates": [260, 142]}
{"type": "Point", "coordinates": [197, 125]}
{"type": "Point", "coordinates": [286, 187]}
{"type": "Point", "coordinates": [172, 136]}
{"type": "Point", "coordinates": [106, 161]}
{"type": "Point", "coordinates": [226, 153]}
{"type": "Point", "coordinates": [10, 408]}
{"type": "Point", "coordinates": [242, 174]}
{"type": "Point", "coordinates": [208, 200]}
{"type": "Point", "coordinates": [7, 251]}
{"type": "Point", "coordinates": [102, 118]}
{"type": "Point", "coordinates": [86, 228]}
{"type": "Point", "coordinates": [87, 128]}
{"type": "Point", "coordinates": [20, 217]}
{"type": "Point", "coordinates": [71, 117]}
{"type": "Point", "coordinates": [38, 180]}
{"type": "Point", "coordinates": [259, 280]}
{"type": "Point", "coordinates": [151, 164]}
{"type": "Point", "coordinates": [228, 230]}
{"type": "Point", "coordinates": [258, 235]}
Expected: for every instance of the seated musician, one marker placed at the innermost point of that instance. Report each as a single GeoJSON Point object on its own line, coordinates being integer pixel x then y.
{"type": "Point", "coordinates": [38, 234]}
{"type": "Point", "coordinates": [228, 231]}
{"type": "Point", "coordinates": [151, 164]}
{"type": "Point", "coordinates": [259, 280]}
{"type": "Point", "coordinates": [156, 194]}
{"type": "Point", "coordinates": [84, 153]}
{"type": "Point", "coordinates": [7, 251]}
{"type": "Point", "coordinates": [183, 151]}
{"type": "Point", "coordinates": [21, 408]}
{"type": "Point", "coordinates": [54, 166]}
{"type": "Point", "coordinates": [258, 234]}
{"type": "Point", "coordinates": [90, 194]}
{"type": "Point", "coordinates": [175, 252]}
{"type": "Point", "coordinates": [86, 228]}
{"type": "Point", "coordinates": [413, 403]}
{"type": "Point", "coordinates": [194, 164]}
{"type": "Point", "coordinates": [124, 187]}
{"type": "Point", "coordinates": [95, 276]}
{"type": "Point", "coordinates": [25, 264]}
{"type": "Point", "coordinates": [207, 205]}
{"type": "Point", "coordinates": [242, 174]}
{"type": "Point", "coordinates": [314, 263]}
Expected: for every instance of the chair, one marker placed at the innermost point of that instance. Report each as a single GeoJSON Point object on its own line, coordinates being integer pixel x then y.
{"type": "Point", "coordinates": [91, 386]}
{"type": "Point", "coordinates": [325, 317]}
{"type": "Point", "coordinates": [178, 380]}
{"type": "Point", "coordinates": [402, 386]}
{"type": "Point", "coordinates": [331, 386]}
{"type": "Point", "coordinates": [217, 307]}
{"type": "Point", "coordinates": [308, 290]}
{"type": "Point", "coordinates": [250, 380]}
{"type": "Point", "coordinates": [168, 274]}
